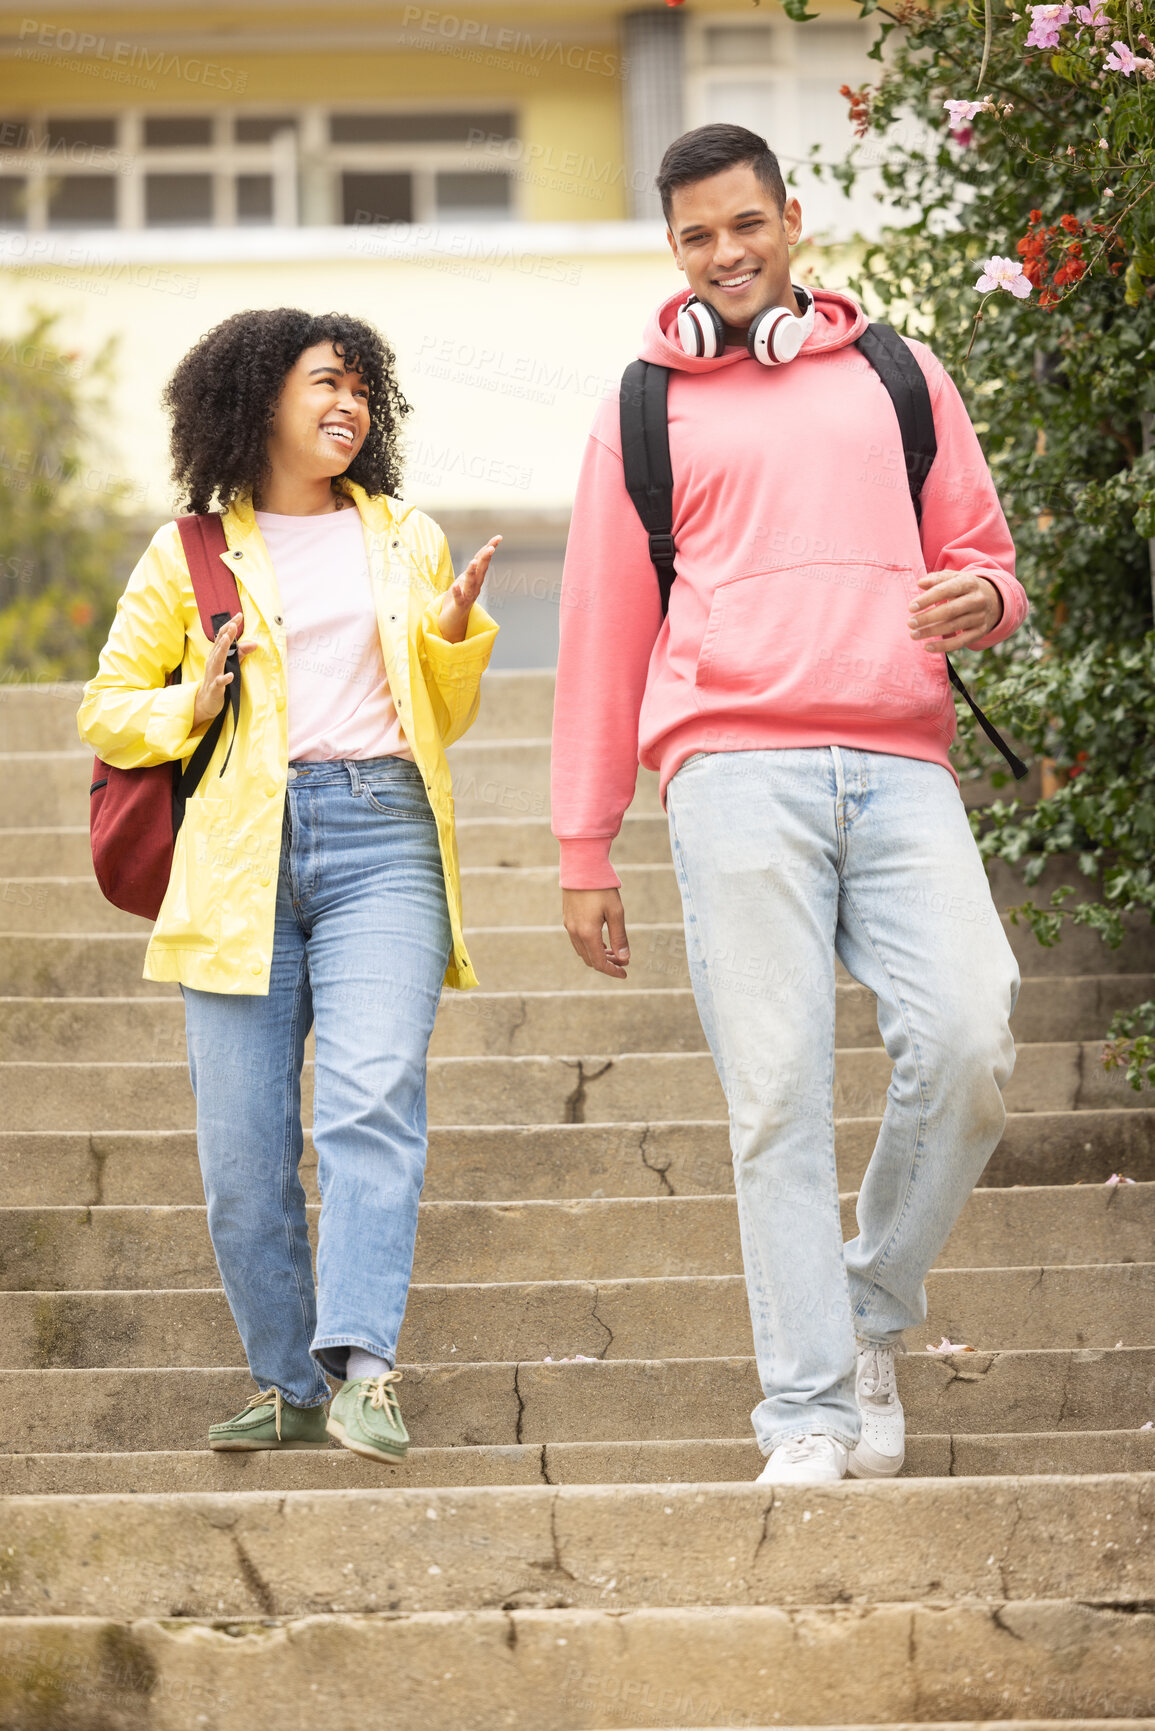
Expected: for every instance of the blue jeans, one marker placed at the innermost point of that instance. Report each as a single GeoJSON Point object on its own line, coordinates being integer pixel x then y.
{"type": "Point", "coordinates": [361, 943]}
{"type": "Point", "coordinates": [786, 859]}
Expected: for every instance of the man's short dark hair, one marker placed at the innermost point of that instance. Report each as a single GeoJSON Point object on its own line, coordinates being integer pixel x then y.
{"type": "Point", "coordinates": [710, 149]}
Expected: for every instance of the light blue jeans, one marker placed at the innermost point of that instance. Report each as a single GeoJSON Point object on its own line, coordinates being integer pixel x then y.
{"type": "Point", "coordinates": [361, 943]}
{"type": "Point", "coordinates": [786, 859]}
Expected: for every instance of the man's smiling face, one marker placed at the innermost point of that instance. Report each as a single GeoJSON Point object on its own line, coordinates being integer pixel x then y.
{"type": "Point", "coordinates": [729, 236]}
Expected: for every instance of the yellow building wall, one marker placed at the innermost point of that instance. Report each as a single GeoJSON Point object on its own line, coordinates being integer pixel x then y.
{"type": "Point", "coordinates": [558, 68]}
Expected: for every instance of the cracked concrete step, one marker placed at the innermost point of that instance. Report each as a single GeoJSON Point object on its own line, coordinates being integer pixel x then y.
{"type": "Point", "coordinates": [490, 1670]}
{"type": "Point", "coordinates": [180, 1316]}
{"type": "Point", "coordinates": [513, 1163]}
{"type": "Point", "coordinates": [189, 1327]}
{"type": "Point", "coordinates": [615, 1547]}
{"type": "Point", "coordinates": [60, 1249]}
{"type": "Point", "coordinates": [722, 1460]}
{"type": "Point", "coordinates": [507, 959]}
{"type": "Point", "coordinates": [1048, 1076]}
{"type": "Point", "coordinates": [455, 1405]}
{"type": "Point", "coordinates": [524, 1024]}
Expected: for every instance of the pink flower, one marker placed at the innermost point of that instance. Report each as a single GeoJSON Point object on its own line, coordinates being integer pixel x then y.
{"type": "Point", "coordinates": [1046, 22]}
{"type": "Point", "coordinates": [1121, 59]}
{"type": "Point", "coordinates": [1115, 1180]}
{"type": "Point", "coordinates": [960, 111]}
{"type": "Point", "coordinates": [1094, 15]}
{"type": "Point", "coordinates": [1004, 273]}
{"type": "Point", "coordinates": [946, 1347]}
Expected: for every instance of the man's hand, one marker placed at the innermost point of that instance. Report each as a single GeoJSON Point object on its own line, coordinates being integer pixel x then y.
{"type": "Point", "coordinates": [585, 912]}
{"type": "Point", "coordinates": [955, 609]}
{"type": "Point", "coordinates": [210, 695]}
{"type": "Point", "coordinates": [453, 619]}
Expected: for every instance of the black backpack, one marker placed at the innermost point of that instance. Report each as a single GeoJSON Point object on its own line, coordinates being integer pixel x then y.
{"type": "Point", "coordinates": [649, 474]}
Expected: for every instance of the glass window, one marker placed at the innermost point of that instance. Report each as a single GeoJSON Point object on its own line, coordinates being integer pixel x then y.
{"type": "Point", "coordinates": [473, 197]}
{"type": "Point", "coordinates": [168, 131]}
{"type": "Point", "coordinates": [837, 46]}
{"type": "Point", "coordinates": [262, 128]}
{"type": "Point", "coordinates": [453, 128]}
{"type": "Point", "coordinates": [376, 198]}
{"type": "Point", "coordinates": [742, 104]}
{"type": "Point", "coordinates": [254, 198]}
{"type": "Point", "coordinates": [13, 203]}
{"type": "Point", "coordinates": [82, 201]}
{"type": "Point", "coordinates": [173, 200]}
{"type": "Point", "coordinates": [738, 44]}
{"type": "Point", "coordinates": [69, 133]}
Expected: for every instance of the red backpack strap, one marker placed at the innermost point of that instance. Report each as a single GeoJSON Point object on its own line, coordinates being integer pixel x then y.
{"type": "Point", "coordinates": [215, 587]}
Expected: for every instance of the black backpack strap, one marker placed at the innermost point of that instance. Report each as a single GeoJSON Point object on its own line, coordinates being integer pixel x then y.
{"type": "Point", "coordinates": [908, 391]}
{"type": "Point", "coordinates": [1015, 764]}
{"type": "Point", "coordinates": [649, 476]}
{"type": "Point", "coordinates": [910, 394]}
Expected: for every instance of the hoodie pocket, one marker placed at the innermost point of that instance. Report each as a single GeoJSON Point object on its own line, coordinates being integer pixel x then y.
{"type": "Point", "coordinates": [821, 642]}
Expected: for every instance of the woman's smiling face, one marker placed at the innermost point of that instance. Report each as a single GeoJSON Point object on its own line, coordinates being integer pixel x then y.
{"type": "Point", "coordinates": [322, 415]}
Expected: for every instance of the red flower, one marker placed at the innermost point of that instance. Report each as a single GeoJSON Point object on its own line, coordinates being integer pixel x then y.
{"type": "Point", "coordinates": [1071, 224]}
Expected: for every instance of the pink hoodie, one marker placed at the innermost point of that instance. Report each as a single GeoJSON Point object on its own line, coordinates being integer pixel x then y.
{"type": "Point", "coordinates": [798, 556]}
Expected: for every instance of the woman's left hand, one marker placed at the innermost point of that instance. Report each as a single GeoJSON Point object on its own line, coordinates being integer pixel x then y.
{"type": "Point", "coordinates": [463, 592]}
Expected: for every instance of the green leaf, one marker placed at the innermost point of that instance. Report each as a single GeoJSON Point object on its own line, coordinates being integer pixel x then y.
{"type": "Point", "coordinates": [796, 9]}
{"type": "Point", "coordinates": [1134, 291]}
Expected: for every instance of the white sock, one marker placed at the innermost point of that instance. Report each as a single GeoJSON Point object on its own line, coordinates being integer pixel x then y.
{"type": "Point", "coordinates": [362, 1363]}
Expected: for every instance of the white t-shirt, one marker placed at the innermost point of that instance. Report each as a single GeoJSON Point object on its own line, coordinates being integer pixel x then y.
{"type": "Point", "coordinates": [339, 702]}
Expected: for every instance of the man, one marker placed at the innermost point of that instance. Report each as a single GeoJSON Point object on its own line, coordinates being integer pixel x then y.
{"type": "Point", "coordinates": [796, 706]}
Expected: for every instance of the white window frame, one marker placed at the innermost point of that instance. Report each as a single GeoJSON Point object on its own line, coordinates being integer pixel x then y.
{"type": "Point", "coordinates": [305, 166]}
{"type": "Point", "coordinates": [781, 74]}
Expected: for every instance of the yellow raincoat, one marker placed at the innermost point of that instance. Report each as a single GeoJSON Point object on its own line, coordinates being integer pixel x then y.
{"type": "Point", "coordinates": [215, 928]}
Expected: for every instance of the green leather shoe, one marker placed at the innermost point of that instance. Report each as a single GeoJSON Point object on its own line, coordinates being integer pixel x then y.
{"type": "Point", "coordinates": [366, 1418]}
{"type": "Point", "coordinates": [268, 1422]}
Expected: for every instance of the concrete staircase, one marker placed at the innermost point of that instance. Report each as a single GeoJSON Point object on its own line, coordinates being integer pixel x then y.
{"type": "Point", "coordinates": [574, 1543]}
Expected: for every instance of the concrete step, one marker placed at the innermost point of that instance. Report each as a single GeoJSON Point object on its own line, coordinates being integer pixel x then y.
{"type": "Point", "coordinates": [42, 717]}
{"type": "Point", "coordinates": [106, 1306]}
{"type": "Point", "coordinates": [468, 1405]}
{"type": "Point", "coordinates": [63, 1249]}
{"type": "Point", "coordinates": [302, 1553]}
{"type": "Point", "coordinates": [510, 1163]}
{"type": "Point", "coordinates": [493, 896]}
{"type": "Point", "coordinates": [492, 1670]}
{"type": "Point", "coordinates": [524, 1024]}
{"type": "Point", "coordinates": [494, 777]}
{"type": "Point", "coordinates": [1057, 1075]}
{"type": "Point", "coordinates": [499, 778]}
{"type": "Point", "coordinates": [507, 959]}
{"type": "Point", "coordinates": [720, 1460]}
{"type": "Point", "coordinates": [511, 844]}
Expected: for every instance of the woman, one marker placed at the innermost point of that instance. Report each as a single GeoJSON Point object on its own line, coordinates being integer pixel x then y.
{"type": "Point", "coordinates": [315, 877]}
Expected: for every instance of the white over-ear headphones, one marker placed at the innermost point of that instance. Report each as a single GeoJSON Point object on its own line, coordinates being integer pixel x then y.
{"type": "Point", "coordinates": [775, 335]}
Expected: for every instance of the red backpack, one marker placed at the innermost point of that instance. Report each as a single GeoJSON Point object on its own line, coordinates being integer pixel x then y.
{"type": "Point", "coordinates": [134, 814]}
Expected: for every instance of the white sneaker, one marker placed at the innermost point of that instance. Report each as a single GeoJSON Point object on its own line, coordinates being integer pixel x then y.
{"type": "Point", "coordinates": [881, 1449]}
{"type": "Point", "coordinates": [805, 1460]}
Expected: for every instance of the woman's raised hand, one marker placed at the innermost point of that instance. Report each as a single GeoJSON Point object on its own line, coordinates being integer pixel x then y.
{"type": "Point", "coordinates": [210, 695]}
{"type": "Point", "coordinates": [463, 592]}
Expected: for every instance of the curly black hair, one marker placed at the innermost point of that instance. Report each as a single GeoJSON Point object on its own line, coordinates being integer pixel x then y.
{"type": "Point", "coordinates": [223, 395]}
